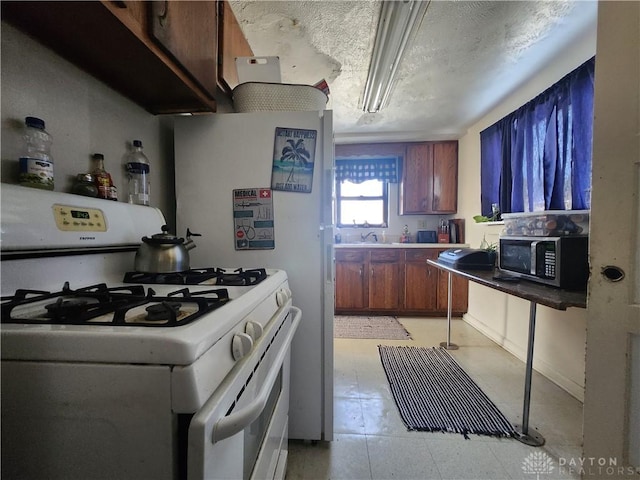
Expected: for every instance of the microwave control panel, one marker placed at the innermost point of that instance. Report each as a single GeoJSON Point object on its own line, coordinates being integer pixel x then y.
{"type": "Point", "coordinates": [550, 264]}
{"type": "Point", "coordinates": [79, 219]}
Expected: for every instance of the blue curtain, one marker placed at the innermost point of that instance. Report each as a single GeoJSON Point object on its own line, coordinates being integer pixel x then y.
{"type": "Point", "coordinates": [539, 157]}
{"type": "Point", "coordinates": [360, 170]}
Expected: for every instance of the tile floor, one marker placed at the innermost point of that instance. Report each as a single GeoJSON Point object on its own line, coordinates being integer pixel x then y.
{"type": "Point", "coordinates": [371, 442]}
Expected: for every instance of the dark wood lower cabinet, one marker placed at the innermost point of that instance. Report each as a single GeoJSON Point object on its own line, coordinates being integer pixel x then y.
{"type": "Point", "coordinates": [420, 281]}
{"type": "Point", "coordinates": [350, 287]}
{"type": "Point", "coordinates": [384, 277]}
{"type": "Point", "coordinates": [389, 281]}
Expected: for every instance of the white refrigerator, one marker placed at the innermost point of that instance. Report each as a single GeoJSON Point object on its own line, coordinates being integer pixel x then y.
{"type": "Point", "coordinates": [217, 154]}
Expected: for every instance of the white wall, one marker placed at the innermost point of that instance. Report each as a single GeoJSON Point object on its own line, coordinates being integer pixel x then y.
{"type": "Point", "coordinates": [560, 336]}
{"type": "Point", "coordinates": [83, 116]}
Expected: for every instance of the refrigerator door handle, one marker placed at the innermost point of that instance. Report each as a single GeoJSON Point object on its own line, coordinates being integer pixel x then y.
{"type": "Point", "coordinates": [329, 266]}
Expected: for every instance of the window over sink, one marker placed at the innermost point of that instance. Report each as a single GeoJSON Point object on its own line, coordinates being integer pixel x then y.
{"type": "Point", "coordinates": [362, 190]}
{"type": "Point", "coordinates": [362, 204]}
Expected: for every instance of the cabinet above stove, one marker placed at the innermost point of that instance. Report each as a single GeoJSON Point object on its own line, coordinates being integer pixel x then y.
{"type": "Point", "coordinates": [162, 55]}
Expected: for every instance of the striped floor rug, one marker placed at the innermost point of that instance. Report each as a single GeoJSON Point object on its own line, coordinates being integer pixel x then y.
{"type": "Point", "coordinates": [434, 394]}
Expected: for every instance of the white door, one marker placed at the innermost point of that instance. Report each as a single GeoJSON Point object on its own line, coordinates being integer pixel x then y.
{"type": "Point", "coordinates": [612, 395]}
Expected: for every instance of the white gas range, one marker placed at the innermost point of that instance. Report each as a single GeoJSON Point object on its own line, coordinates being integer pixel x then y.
{"type": "Point", "coordinates": [107, 375]}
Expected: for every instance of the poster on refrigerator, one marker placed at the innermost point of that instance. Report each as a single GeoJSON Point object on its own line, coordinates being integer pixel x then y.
{"type": "Point", "coordinates": [293, 159]}
{"type": "Point", "coordinates": [253, 219]}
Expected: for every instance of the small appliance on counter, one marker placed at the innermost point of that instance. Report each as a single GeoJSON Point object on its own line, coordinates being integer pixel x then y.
{"type": "Point", "coordinates": [426, 236]}
{"type": "Point", "coordinates": [561, 262]}
{"type": "Point", "coordinates": [467, 259]}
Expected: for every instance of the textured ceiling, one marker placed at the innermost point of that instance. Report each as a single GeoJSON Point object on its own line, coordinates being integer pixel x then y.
{"type": "Point", "coordinates": [466, 57]}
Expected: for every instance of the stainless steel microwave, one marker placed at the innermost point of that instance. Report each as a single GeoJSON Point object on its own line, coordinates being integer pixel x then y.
{"type": "Point", "coordinates": [557, 261]}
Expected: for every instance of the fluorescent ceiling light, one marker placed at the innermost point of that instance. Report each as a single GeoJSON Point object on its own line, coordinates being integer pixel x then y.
{"type": "Point", "coordinates": [398, 22]}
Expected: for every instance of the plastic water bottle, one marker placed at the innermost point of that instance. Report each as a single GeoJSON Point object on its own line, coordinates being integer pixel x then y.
{"type": "Point", "coordinates": [36, 164]}
{"type": "Point", "coordinates": [138, 171]}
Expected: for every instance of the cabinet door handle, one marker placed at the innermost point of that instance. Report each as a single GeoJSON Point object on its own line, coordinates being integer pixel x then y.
{"type": "Point", "coordinates": [162, 15]}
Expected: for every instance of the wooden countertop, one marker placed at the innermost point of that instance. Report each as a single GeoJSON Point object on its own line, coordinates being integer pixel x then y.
{"type": "Point", "coordinates": [536, 292]}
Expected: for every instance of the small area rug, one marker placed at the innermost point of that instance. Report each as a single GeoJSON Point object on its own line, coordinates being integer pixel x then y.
{"type": "Point", "coordinates": [383, 327]}
{"type": "Point", "coordinates": [434, 394]}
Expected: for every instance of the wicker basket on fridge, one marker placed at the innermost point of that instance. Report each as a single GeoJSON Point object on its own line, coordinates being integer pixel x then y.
{"type": "Point", "coordinates": [265, 97]}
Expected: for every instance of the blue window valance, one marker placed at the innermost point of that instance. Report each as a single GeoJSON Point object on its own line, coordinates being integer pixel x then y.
{"type": "Point", "coordinates": [363, 169]}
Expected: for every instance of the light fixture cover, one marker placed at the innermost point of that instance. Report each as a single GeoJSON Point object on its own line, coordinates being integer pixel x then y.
{"type": "Point", "coordinates": [398, 22]}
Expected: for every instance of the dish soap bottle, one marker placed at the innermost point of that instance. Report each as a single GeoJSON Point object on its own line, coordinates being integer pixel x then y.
{"type": "Point", "coordinates": [138, 170]}
{"type": "Point", "coordinates": [103, 180]}
{"type": "Point", "coordinates": [36, 164]}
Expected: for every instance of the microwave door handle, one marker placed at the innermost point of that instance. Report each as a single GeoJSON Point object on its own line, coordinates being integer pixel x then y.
{"type": "Point", "coordinates": [238, 421]}
{"type": "Point", "coordinates": [534, 258]}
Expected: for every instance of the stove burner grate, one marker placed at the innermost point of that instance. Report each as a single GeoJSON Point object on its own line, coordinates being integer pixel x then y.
{"type": "Point", "coordinates": [197, 276]}
{"type": "Point", "coordinates": [241, 277]}
{"type": "Point", "coordinates": [100, 305]}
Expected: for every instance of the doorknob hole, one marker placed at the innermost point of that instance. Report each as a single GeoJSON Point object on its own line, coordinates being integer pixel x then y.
{"type": "Point", "coordinates": [612, 273]}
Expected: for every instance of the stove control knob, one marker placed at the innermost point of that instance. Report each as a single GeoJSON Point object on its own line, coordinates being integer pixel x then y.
{"type": "Point", "coordinates": [282, 296]}
{"type": "Point", "coordinates": [253, 329]}
{"type": "Point", "coordinates": [241, 345]}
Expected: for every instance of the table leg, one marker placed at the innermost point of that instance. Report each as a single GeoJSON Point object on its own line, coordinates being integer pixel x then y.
{"type": "Point", "coordinates": [448, 345]}
{"type": "Point", "coordinates": [525, 434]}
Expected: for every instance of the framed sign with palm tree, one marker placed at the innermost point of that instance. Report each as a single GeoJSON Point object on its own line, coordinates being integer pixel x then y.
{"type": "Point", "coordinates": [293, 159]}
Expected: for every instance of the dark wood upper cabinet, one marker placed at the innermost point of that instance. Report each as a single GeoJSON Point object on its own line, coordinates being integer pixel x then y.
{"type": "Point", "coordinates": [416, 188]}
{"type": "Point", "coordinates": [445, 177]}
{"type": "Point", "coordinates": [231, 44]}
{"type": "Point", "coordinates": [188, 31]}
{"type": "Point", "coordinates": [429, 182]}
{"type": "Point", "coordinates": [163, 55]}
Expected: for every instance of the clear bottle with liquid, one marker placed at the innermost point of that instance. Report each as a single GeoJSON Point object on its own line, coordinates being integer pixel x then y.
{"type": "Point", "coordinates": [36, 163]}
{"type": "Point", "coordinates": [138, 171]}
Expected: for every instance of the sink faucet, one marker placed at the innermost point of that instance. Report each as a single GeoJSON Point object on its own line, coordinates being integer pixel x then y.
{"type": "Point", "coordinates": [364, 237]}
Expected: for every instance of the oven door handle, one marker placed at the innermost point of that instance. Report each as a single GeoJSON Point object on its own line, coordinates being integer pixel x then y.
{"type": "Point", "coordinates": [238, 421]}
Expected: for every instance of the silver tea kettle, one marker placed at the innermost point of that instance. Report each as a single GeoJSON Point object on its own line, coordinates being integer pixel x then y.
{"type": "Point", "coordinates": [164, 253]}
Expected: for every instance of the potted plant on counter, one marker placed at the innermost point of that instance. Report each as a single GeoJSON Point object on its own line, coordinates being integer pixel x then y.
{"type": "Point", "coordinates": [491, 249]}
